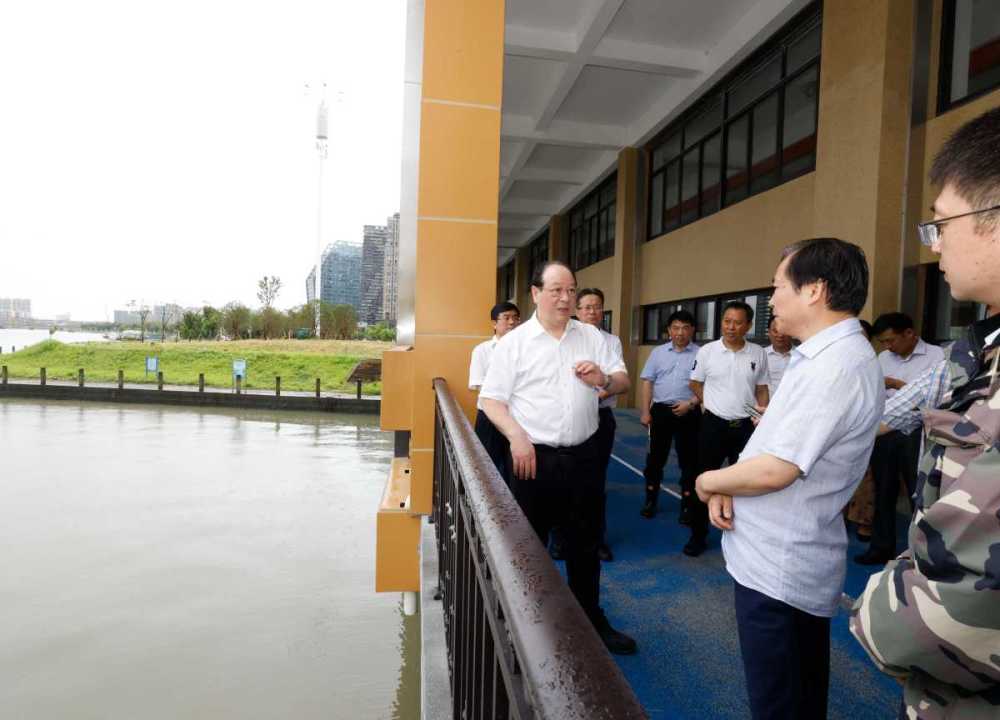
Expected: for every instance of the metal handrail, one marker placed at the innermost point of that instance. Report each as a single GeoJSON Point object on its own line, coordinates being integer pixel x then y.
{"type": "Point", "coordinates": [519, 644]}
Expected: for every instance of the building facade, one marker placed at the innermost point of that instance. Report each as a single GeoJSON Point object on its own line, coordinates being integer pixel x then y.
{"type": "Point", "coordinates": [341, 278]}
{"type": "Point", "coordinates": [390, 283]}
{"type": "Point", "coordinates": [14, 311]}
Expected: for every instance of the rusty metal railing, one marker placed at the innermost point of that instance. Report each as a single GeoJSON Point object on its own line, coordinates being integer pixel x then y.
{"type": "Point", "coordinates": [519, 645]}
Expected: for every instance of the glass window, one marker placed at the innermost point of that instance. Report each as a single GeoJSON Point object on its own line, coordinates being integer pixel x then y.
{"type": "Point", "coordinates": [656, 205]}
{"type": "Point", "coordinates": [804, 49]}
{"type": "Point", "coordinates": [970, 50]}
{"type": "Point", "coordinates": [798, 154]}
{"type": "Point", "coordinates": [705, 317]}
{"type": "Point", "coordinates": [711, 167]}
{"type": "Point", "coordinates": [737, 142]}
{"type": "Point", "coordinates": [706, 122]}
{"type": "Point", "coordinates": [756, 84]}
{"type": "Point", "coordinates": [606, 321]}
{"type": "Point", "coordinates": [593, 238]}
{"type": "Point", "coordinates": [651, 324]}
{"type": "Point", "coordinates": [764, 147]}
{"type": "Point", "coordinates": [672, 202]}
{"type": "Point", "coordinates": [689, 186]}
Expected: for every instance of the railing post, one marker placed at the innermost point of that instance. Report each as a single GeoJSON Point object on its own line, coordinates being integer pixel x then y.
{"type": "Point", "coordinates": [42, 377]}
{"type": "Point", "coordinates": [359, 389]}
{"type": "Point", "coordinates": [317, 388]}
{"type": "Point", "coordinates": [159, 380]}
{"type": "Point", "coordinates": [80, 378]}
{"type": "Point", "coordinates": [239, 384]}
{"type": "Point", "coordinates": [201, 382]}
{"type": "Point", "coordinates": [121, 378]}
{"type": "Point", "coordinates": [3, 375]}
{"type": "Point", "coordinates": [277, 385]}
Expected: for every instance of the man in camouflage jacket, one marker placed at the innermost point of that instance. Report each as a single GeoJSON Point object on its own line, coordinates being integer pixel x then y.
{"type": "Point", "coordinates": [932, 617]}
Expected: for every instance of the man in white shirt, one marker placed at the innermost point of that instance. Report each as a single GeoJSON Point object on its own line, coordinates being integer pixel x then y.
{"type": "Point", "coordinates": [905, 358]}
{"type": "Point", "coordinates": [780, 506]}
{"type": "Point", "coordinates": [541, 392]}
{"type": "Point", "coordinates": [505, 317]}
{"type": "Point", "coordinates": [778, 354]}
{"type": "Point", "coordinates": [729, 379]}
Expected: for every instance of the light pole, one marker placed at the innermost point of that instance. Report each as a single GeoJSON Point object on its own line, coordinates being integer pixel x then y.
{"type": "Point", "coordinates": [321, 149]}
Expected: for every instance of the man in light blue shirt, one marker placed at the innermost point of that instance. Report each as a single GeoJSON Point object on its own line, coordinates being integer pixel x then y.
{"type": "Point", "coordinates": [780, 506]}
{"type": "Point", "coordinates": [669, 408]}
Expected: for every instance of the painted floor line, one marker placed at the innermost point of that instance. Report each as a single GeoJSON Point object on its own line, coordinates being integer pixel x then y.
{"type": "Point", "coordinates": [639, 473]}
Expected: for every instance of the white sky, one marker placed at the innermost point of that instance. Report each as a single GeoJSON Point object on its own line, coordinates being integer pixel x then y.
{"type": "Point", "coordinates": [164, 152]}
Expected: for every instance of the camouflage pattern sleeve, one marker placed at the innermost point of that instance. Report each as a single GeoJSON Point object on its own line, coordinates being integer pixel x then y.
{"type": "Point", "coordinates": [932, 617]}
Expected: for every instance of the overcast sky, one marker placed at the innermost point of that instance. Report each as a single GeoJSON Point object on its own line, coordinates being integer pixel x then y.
{"type": "Point", "coordinates": [165, 152]}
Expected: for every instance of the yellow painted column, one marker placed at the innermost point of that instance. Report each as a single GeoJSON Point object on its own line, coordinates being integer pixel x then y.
{"type": "Point", "coordinates": [627, 229]}
{"type": "Point", "coordinates": [457, 205]}
{"type": "Point", "coordinates": [863, 135]}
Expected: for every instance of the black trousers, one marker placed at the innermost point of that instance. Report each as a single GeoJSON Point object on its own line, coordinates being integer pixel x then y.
{"type": "Point", "coordinates": [567, 492]}
{"type": "Point", "coordinates": [664, 429]}
{"type": "Point", "coordinates": [719, 441]}
{"type": "Point", "coordinates": [894, 457]}
{"type": "Point", "coordinates": [786, 657]}
{"type": "Point", "coordinates": [496, 443]}
{"type": "Point", "coordinates": [605, 438]}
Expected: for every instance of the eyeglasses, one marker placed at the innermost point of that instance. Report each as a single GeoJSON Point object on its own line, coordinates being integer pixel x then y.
{"type": "Point", "coordinates": [930, 232]}
{"type": "Point", "coordinates": [559, 292]}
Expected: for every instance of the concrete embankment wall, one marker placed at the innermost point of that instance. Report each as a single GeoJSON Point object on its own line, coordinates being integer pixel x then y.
{"type": "Point", "coordinates": [191, 398]}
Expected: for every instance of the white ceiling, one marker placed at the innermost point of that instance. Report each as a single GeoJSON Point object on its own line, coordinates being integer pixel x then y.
{"type": "Point", "coordinates": [585, 78]}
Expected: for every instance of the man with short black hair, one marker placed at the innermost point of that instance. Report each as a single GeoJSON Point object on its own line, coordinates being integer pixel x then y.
{"type": "Point", "coordinates": [780, 506]}
{"type": "Point", "coordinates": [541, 392]}
{"type": "Point", "coordinates": [669, 408]}
{"type": "Point", "coordinates": [905, 358]}
{"type": "Point", "coordinates": [930, 619]}
{"type": "Point", "coordinates": [730, 379]}
{"type": "Point", "coordinates": [505, 317]}
{"type": "Point", "coordinates": [778, 353]}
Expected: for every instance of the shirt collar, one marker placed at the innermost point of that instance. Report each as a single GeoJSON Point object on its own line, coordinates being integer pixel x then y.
{"type": "Point", "coordinates": [673, 348]}
{"type": "Point", "coordinates": [825, 338]}
{"type": "Point", "coordinates": [987, 332]}
{"type": "Point", "coordinates": [772, 351]}
{"type": "Point", "coordinates": [533, 328]}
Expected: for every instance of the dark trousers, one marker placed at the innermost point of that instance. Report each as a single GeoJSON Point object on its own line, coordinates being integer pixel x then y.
{"type": "Point", "coordinates": [567, 492]}
{"type": "Point", "coordinates": [496, 443]}
{"type": "Point", "coordinates": [664, 429]}
{"type": "Point", "coordinates": [605, 439]}
{"type": "Point", "coordinates": [894, 457]}
{"type": "Point", "coordinates": [786, 657]}
{"type": "Point", "coordinates": [719, 441]}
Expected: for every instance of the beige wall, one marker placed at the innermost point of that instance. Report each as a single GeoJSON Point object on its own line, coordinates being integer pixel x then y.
{"type": "Point", "coordinates": [601, 275]}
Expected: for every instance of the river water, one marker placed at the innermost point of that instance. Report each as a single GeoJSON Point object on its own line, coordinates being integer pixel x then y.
{"type": "Point", "coordinates": [175, 563]}
{"type": "Point", "coordinates": [16, 338]}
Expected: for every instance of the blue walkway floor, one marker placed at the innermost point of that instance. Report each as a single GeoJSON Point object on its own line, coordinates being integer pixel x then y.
{"type": "Point", "coordinates": [680, 609]}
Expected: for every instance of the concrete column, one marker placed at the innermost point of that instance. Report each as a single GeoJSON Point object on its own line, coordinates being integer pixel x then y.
{"type": "Point", "coordinates": [863, 134]}
{"type": "Point", "coordinates": [317, 388]}
{"type": "Point", "coordinates": [522, 284]}
{"type": "Point", "coordinates": [559, 238]}
{"type": "Point", "coordinates": [627, 229]}
{"type": "Point", "coordinates": [201, 382]}
{"type": "Point", "coordinates": [159, 380]}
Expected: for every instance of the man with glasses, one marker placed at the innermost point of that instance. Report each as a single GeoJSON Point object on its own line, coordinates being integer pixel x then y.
{"type": "Point", "coordinates": [931, 618]}
{"type": "Point", "coordinates": [541, 392]}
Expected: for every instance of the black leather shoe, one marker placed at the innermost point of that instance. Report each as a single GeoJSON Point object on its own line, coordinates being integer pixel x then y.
{"type": "Point", "coordinates": [695, 547]}
{"type": "Point", "coordinates": [617, 643]}
{"type": "Point", "coordinates": [604, 552]}
{"type": "Point", "coordinates": [873, 557]}
{"type": "Point", "coordinates": [684, 517]}
{"type": "Point", "coordinates": [649, 509]}
{"type": "Point", "coordinates": [556, 551]}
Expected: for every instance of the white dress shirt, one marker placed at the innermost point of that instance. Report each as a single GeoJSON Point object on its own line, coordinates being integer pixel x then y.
{"type": "Point", "coordinates": [481, 356]}
{"type": "Point", "coordinates": [776, 364]}
{"type": "Point", "coordinates": [791, 544]}
{"type": "Point", "coordinates": [615, 346]}
{"type": "Point", "coordinates": [911, 367]}
{"type": "Point", "coordinates": [730, 378]}
{"type": "Point", "coordinates": [533, 374]}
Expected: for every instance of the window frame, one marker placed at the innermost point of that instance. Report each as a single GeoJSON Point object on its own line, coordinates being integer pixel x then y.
{"type": "Point", "coordinates": [592, 232]}
{"type": "Point", "coordinates": [796, 30]}
{"type": "Point", "coordinates": [663, 310]}
{"type": "Point", "coordinates": [538, 253]}
{"type": "Point", "coordinates": [946, 59]}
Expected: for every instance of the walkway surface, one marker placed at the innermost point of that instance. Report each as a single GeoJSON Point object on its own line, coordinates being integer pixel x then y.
{"type": "Point", "coordinates": [680, 609]}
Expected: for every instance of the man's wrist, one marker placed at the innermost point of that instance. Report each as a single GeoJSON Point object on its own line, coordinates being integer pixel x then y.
{"type": "Point", "coordinates": [608, 379]}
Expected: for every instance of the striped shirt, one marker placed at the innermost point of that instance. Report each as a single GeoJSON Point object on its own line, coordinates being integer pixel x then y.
{"type": "Point", "coordinates": [902, 410]}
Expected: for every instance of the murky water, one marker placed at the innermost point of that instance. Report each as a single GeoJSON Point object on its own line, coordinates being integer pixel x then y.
{"type": "Point", "coordinates": [18, 339]}
{"type": "Point", "coordinates": [169, 563]}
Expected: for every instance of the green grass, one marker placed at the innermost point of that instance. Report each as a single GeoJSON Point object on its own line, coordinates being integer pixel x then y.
{"type": "Point", "coordinates": [298, 363]}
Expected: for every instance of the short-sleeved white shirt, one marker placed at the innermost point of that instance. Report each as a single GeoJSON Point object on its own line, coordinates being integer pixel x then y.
{"type": "Point", "coordinates": [730, 378]}
{"type": "Point", "coordinates": [532, 372]}
{"type": "Point", "coordinates": [911, 367]}
{"type": "Point", "coordinates": [615, 345]}
{"type": "Point", "coordinates": [776, 364]}
{"type": "Point", "coordinates": [481, 355]}
{"type": "Point", "coordinates": [791, 544]}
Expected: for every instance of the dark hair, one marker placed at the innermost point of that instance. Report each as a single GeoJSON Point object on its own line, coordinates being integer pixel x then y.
{"type": "Point", "coordinates": [867, 327]}
{"type": "Point", "coordinates": [502, 308]}
{"type": "Point", "coordinates": [841, 266]}
{"type": "Point", "coordinates": [969, 162]}
{"type": "Point", "coordinates": [739, 305]}
{"type": "Point", "coordinates": [896, 321]}
{"type": "Point", "coordinates": [683, 316]}
{"type": "Point", "coordinates": [589, 291]}
{"type": "Point", "coordinates": [537, 279]}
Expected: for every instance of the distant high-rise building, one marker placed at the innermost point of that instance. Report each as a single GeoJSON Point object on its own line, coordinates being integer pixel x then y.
{"type": "Point", "coordinates": [390, 281]}
{"type": "Point", "coordinates": [311, 285]}
{"type": "Point", "coordinates": [340, 281]}
{"type": "Point", "coordinates": [14, 310]}
{"type": "Point", "coordinates": [373, 273]}
{"type": "Point", "coordinates": [126, 317]}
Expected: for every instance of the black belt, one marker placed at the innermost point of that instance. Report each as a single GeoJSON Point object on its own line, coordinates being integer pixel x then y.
{"type": "Point", "coordinates": [739, 422]}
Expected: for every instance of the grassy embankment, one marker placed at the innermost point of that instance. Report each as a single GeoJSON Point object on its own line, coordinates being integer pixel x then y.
{"type": "Point", "coordinates": [298, 362]}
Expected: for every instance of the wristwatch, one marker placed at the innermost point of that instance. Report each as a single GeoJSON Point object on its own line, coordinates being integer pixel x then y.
{"type": "Point", "coordinates": [606, 385]}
